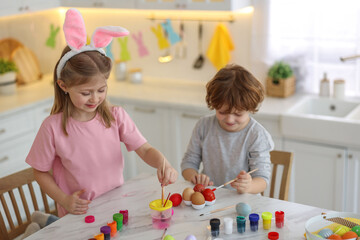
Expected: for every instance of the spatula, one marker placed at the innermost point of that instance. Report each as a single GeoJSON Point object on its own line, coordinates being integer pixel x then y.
{"type": "Point", "coordinates": [200, 59]}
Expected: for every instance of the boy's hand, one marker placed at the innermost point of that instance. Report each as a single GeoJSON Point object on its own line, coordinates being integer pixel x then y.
{"type": "Point", "coordinates": [75, 205]}
{"type": "Point", "coordinates": [201, 179]}
{"type": "Point", "coordinates": [169, 177]}
{"type": "Point", "coordinates": [243, 182]}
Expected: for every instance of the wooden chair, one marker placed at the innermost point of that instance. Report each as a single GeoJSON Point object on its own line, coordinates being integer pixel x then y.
{"type": "Point", "coordinates": [285, 159]}
{"type": "Point", "coordinates": [10, 187]}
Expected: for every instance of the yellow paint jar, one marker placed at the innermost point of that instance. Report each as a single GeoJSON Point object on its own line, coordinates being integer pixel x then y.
{"type": "Point", "coordinates": [266, 216]}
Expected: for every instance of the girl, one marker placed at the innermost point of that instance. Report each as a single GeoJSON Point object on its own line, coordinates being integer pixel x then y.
{"type": "Point", "coordinates": [80, 140]}
{"type": "Point", "coordinates": [230, 143]}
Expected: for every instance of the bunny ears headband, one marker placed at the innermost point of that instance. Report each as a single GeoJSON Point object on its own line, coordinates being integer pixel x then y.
{"type": "Point", "coordinates": [75, 36]}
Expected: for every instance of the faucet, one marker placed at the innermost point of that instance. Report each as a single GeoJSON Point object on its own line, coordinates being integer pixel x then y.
{"type": "Point", "coordinates": [343, 59]}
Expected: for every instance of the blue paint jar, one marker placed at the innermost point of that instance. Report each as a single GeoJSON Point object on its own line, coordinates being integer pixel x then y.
{"type": "Point", "coordinates": [254, 221]}
{"type": "Point", "coordinates": [240, 221]}
{"type": "Point", "coordinates": [215, 227]}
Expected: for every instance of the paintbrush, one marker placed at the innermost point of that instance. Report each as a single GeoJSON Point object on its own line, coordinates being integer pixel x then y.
{"type": "Point", "coordinates": [162, 186]}
{"type": "Point", "coordinates": [233, 180]}
{"type": "Point", "coordinates": [163, 236]}
{"type": "Point", "coordinates": [218, 210]}
{"type": "Point", "coordinates": [166, 200]}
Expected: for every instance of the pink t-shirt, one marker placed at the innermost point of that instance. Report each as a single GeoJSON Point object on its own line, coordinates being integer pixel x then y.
{"type": "Point", "coordinates": [89, 157]}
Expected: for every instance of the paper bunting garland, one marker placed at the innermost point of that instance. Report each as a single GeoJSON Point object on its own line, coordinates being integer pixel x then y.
{"type": "Point", "coordinates": [51, 40]}
{"type": "Point", "coordinates": [125, 54]}
{"type": "Point", "coordinates": [159, 33]}
{"type": "Point", "coordinates": [173, 36]}
{"type": "Point", "coordinates": [142, 50]}
{"type": "Point", "coordinates": [108, 51]}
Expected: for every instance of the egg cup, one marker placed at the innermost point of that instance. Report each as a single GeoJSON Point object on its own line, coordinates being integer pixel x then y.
{"type": "Point", "coordinates": [209, 203]}
{"type": "Point", "coordinates": [198, 207]}
{"type": "Point", "coordinates": [187, 203]}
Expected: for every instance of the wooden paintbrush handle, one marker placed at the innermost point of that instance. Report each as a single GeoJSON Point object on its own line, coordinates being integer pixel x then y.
{"type": "Point", "coordinates": [222, 209]}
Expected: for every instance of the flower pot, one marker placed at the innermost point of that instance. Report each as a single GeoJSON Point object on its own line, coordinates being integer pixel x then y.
{"type": "Point", "coordinates": [281, 88]}
{"type": "Point", "coordinates": [8, 83]}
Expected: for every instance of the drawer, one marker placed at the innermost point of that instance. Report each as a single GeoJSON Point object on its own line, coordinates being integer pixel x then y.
{"type": "Point", "coordinates": [13, 154]}
{"type": "Point", "coordinates": [16, 124]}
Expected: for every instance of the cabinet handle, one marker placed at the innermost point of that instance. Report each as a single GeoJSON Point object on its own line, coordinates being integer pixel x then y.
{"type": "Point", "coordinates": [145, 110]}
{"type": "Point", "coordinates": [192, 116]}
{"type": "Point", "coordinates": [3, 130]}
{"type": "Point", "coordinates": [339, 155]}
{"type": "Point", "coordinates": [350, 156]}
{"type": "Point", "coordinates": [3, 159]}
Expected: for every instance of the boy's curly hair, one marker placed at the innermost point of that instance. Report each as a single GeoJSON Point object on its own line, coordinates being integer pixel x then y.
{"type": "Point", "coordinates": [235, 87]}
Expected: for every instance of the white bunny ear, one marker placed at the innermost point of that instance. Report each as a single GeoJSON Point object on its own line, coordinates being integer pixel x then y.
{"type": "Point", "coordinates": [74, 29]}
{"type": "Point", "coordinates": [102, 36]}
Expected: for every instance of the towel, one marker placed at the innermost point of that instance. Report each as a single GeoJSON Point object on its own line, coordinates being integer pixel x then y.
{"type": "Point", "coordinates": [220, 46]}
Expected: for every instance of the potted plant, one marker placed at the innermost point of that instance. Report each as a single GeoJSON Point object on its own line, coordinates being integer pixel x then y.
{"type": "Point", "coordinates": [281, 80]}
{"type": "Point", "coordinates": [8, 71]}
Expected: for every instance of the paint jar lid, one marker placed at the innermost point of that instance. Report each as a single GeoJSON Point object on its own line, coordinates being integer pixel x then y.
{"type": "Point", "coordinates": [254, 217]}
{"type": "Point", "coordinates": [266, 215]}
{"type": "Point", "coordinates": [240, 219]}
{"type": "Point", "coordinates": [118, 217]}
{"type": "Point", "coordinates": [89, 219]}
{"type": "Point", "coordinates": [105, 229]}
{"type": "Point", "coordinates": [273, 235]}
{"type": "Point", "coordinates": [157, 205]}
{"type": "Point", "coordinates": [215, 222]}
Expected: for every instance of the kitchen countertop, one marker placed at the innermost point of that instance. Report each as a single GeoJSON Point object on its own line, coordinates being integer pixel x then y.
{"type": "Point", "coordinates": [136, 194]}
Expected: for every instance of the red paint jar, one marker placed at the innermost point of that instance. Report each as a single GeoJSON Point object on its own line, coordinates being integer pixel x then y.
{"type": "Point", "coordinates": [279, 219]}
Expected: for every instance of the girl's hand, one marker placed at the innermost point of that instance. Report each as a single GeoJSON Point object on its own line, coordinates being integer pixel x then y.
{"type": "Point", "coordinates": [201, 179]}
{"type": "Point", "coordinates": [75, 205]}
{"type": "Point", "coordinates": [169, 177]}
{"type": "Point", "coordinates": [243, 182]}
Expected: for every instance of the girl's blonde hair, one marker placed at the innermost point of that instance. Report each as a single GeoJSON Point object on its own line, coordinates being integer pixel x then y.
{"type": "Point", "coordinates": [78, 70]}
{"type": "Point", "coordinates": [235, 87]}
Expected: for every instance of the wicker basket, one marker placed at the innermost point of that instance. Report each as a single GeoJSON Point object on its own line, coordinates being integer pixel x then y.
{"type": "Point", "coordinates": [285, 87]}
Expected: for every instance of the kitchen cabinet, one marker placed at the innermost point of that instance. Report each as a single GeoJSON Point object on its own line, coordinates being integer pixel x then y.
{"type": "Point", "coordinates": [42, 111]}
{"type": "Point", "coordinates": [99, 3]}
{"type": "Point", "coordinates": [353, 181]}
{"type": "Point", "coordinates": [318, 176]}
{"type": "Point", "coordinates": [212, 5]}
{"type": "Point", "coordinates": [26, 6]}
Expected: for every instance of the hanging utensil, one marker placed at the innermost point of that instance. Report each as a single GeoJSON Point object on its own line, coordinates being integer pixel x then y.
{"type": "Point", "coordinates": [180, 49]}
{"type": "Point", "coordinates": [200, 60]}
{"type": "Point", "coordinates": [167, 56]}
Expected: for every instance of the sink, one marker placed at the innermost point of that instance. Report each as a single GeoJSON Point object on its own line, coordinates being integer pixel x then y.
{"type": "Point", "coordinates": [323, 107]}
{"type": "Point", "coordinates": [325, 120]}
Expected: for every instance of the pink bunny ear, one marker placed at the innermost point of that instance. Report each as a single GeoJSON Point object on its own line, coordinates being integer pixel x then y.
{"type": "Point", "coordinates": [102, 36]}
{"type": "Point", "coordinates": [74, 29]}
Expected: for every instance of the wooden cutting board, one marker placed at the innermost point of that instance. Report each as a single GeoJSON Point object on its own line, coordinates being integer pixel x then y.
{"type": "Point", "coordinates": [27, 64]}
{"type": "Point", "coordinates": [8, 46]}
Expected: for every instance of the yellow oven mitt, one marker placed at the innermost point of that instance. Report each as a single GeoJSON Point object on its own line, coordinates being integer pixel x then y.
{"type": "Point", "coordinates": [220, 46]}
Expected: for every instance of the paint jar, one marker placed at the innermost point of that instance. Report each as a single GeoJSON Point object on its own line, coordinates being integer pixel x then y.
{"type": "Point", "coordinates": [161, 215]}
{"type": "Point", "coordinates": [241, 223]}
{"type": "Point", "coordinates": [279, 219]}
{"type": "Point", "coordinates": [120, 70]}
{"type": "Point", "coordinates": [113, 228]}
{"type": "Point", "coordinates": [106, 230]}
{"type": "Point", "coordinates": [254, 221]}
{"type": "Point", "coordinates": [125, 214]}
{"type": "Point", "coordinates": [273, 235]}
{"type": "Point", "coordinates": [228, 225]}
{"type": "Point", "coordinates": [99, 236]}
{"type": "Point", "coordinates": [118, 218]}
{"type": "Point", "coordinates": [215, 227]}
{"type": "Point", "coordinates": [266, 216]}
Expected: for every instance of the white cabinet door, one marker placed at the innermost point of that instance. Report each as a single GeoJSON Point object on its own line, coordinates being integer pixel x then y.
{"type": "Point", "coordinates": [41, 112]}
{"type": "Point", "coordinates": [353, 182]}
{"type": "Point", "coordinates": [318, 177]}
{"type": "Point", "coordinates": [154, 125]}
{"type": "Point", "coordinates": [184, 123]}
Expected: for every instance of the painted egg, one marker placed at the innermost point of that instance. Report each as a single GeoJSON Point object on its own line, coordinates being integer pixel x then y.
{"type": "Point", "coordinates": [243, 209]}
{"type": "Point", "coordinates": [176, 199]}
{"type": "Point", "coordinates": [187, 194]}
{"type": "Point", "coordinates": [341, 230]}
{"type": "Point", "coordinates": [197, 199]}
{"type": "Point", "coordinates": [169, 237]}
{"type": "Point", "coordinates": [190, 237]}
{"type": "Point", "coordinates": [209, 194]}
{"type": "Point", "coordinates": [350, 235]}
{"type": "Point", "coordinates": [199, 188]}
{"type": "Point", "coordinates": [356, 230]}
{"type": "Point", "coordinates": [334, 236]}
{"type": "Point", "coordinates": [325, 233]}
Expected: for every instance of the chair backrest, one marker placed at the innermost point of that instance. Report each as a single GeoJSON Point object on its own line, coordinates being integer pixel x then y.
{"type": "Point", "coordinates": [20, 185]}
{"type": "Point", "coordinates": [284, 159]}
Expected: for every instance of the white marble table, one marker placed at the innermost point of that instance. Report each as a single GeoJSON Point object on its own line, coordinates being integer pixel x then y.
{"type": "Point", "coordinates": [136, 194]}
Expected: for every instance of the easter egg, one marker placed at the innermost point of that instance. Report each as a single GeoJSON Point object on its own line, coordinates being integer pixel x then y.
{"type": "Point", "coordinates": [169, 237]}
{"type": "Point", "coordinates": [197, 198]}
{"type": "Point", "coordinates": [190, 237]}
{"type": "Point", "coordinates": [356, 230]}
{"type": "Point", "coordinates": [326, 232]}
{"type": "Point", "coordinates": [176, 199]}
{"type": "Point", "coordinates": [243, 209]}
{"type": "Point", "coordinates": [341, 230]}
{"type": "Point", "coordinates": [349, 235]}
{"type": "Point", "coordinates": [334, 236]}
{"type": "Point", "coordinates": [209, 194]}
{"type": "Point", "coordinates": [199, 188]}
{"type": "Point", "coordinates": [187, 194]}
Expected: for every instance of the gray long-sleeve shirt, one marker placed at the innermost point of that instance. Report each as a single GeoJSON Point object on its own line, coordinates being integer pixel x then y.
{"type": "Point", "coordinates": [224, 154]}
